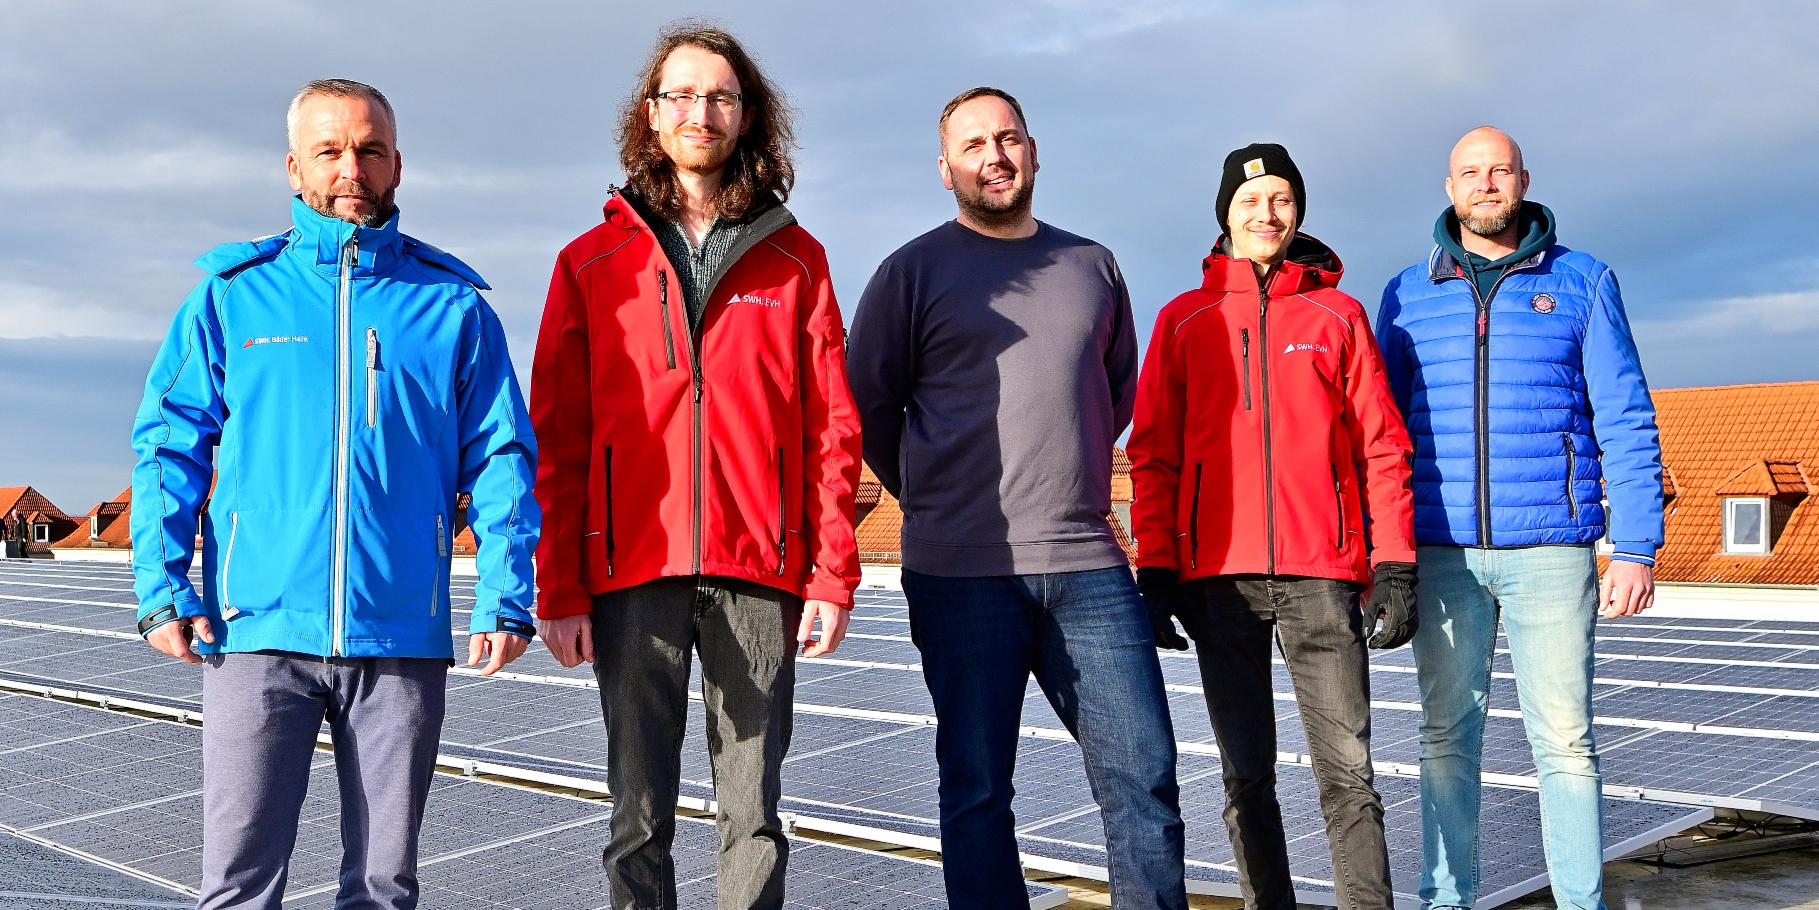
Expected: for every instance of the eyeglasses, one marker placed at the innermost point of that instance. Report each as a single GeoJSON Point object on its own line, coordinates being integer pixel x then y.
{"type": "Point", "coordinates": [683, 102]}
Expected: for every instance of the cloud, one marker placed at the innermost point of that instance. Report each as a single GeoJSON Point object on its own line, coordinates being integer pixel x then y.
{"type": "Point", "coordinates": [1767, 338]}
{"type": "Point", "coordinates": [135, 137]}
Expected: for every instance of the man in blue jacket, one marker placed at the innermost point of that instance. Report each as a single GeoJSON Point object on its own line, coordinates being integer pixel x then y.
{"type": "Point", "coordinates": [345, 383]}
{"type": "Point", "coordinates": [1511, 358]}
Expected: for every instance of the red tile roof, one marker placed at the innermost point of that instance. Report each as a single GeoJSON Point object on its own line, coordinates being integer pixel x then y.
{"type": "Point", "coordinates": [1754, 440]}
{"type": "Point", "coordinates": [115, 520]}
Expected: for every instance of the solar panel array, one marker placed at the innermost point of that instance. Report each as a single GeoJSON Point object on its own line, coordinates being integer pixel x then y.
{"type": "Point", "coordinates": [123, 793]}
{"type": "Point", "coordinates": [1736, 703]}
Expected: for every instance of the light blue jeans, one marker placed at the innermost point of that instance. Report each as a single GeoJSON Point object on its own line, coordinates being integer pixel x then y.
{"type": "Point", "coordinates": [1547, 598]}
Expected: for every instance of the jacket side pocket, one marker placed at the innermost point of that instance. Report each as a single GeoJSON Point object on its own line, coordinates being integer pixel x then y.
{"type": "Point", "coordinates": [435, 588]}
{"type": "Point", "coordinates": [1193, 521]}
{"type": "Point", "coordinates": [1338, 507]}
{"type": "Point", "coordinates": [782, 515]}
{"type": "Point", "coordinates": [1572, 465]}
{"type": "Point", "coordinates": [609, 503]}
{"type": "Point", "coordinates": [228, 610]}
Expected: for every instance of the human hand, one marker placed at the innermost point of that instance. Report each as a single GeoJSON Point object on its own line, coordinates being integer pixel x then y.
{"type": "Point", "coordinates": [174, 637]}
{"type": "Point", "coordinates": [1161, 593]}
{"type": "Point", "coordinates": [833, 627]}
{"type": "Point", "coordinates": [1393, 601]}
{"type": "Point", "coordinates": [569, 638]}
{"type": "Point", "coordinates": [1627, 589]}
{"type": "Point", "coordinates": [500, 648]}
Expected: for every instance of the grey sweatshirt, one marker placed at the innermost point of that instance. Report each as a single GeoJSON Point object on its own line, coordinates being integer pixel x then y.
{"type": "Point", "coordinates": [992, 378]}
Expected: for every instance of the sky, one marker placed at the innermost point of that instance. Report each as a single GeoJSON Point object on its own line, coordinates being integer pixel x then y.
{"type": "Point", "coordinates": [1673, 141]}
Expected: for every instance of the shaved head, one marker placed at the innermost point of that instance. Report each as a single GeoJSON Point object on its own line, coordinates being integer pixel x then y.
{"type": "Point", "coordinates": [1487, 139]}
{"type": "Point", "coordinates": [1487, 183]}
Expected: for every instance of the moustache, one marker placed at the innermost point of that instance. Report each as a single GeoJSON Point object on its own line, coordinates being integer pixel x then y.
{"type": "Point", "coordinates": [353, 190]}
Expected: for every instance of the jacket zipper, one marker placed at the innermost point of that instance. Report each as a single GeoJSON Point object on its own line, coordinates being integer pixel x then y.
{"type": "Point", "coordinates": [669, 338]}
{"type": "Point", "coordinates": [782, 522]}
{"type": "Point", "coordinates": [1338, 507]}
{"type": "Point", "coordinates": [227, 566]}
{"type": "Point", "coordinates": [372, 375]}
{"type": "Point", "coordinates": [344, 304]}
{"type": "Point", "coordinates": [1269, 475]}
{"type": "Point", "coordinates": [609, 511]}
{"type": "Point", "coordinates": [435, 590]}
{"type": "Point", "coordinates": [1193, 521]}
{"type": "Point", "coordinates": [1572, 503]}
{"type": "Point", "coordinates": [1244, 336]}
{"type": "Point", "coordinates": [1481, 405]}
{"type": "Point", "coordinates": [697, 442]}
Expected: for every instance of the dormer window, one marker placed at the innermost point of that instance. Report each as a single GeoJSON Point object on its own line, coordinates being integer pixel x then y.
{"type": "Point", "coordinates": [1746, 526]}
{"type": "Point", "coordinates": [41, 533]}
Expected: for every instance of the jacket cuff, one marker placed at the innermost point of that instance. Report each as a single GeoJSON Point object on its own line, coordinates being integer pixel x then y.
{"type": "Point", "coordinates": [1633, 557]}
{"type": "Point", "coordinates": [1641, 551]}
{"type": "Point", "coordinates": [503, 619]}
{"type": "Point", "coordinates": [838, 595]}
{"type": "Point", "coordinates": [184, 606]}
{"type": "Point", "coordinates": [550, 606]}
{"type": "Point", "coordinates": [1381, 556]}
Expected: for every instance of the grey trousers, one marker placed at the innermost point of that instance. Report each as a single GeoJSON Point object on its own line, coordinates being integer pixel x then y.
{"type": "Point", "coordinates": [263, 712]}
{"type": "Point", "coordinates": [745, 634]}
{"type": "Point", "coordinates": [1234, 619]}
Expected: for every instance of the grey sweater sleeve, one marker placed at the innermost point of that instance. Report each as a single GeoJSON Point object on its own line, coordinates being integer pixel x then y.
{"type": "Point", "coordinates": [881, 367]}
{"type": "Point", "coordinates": [1121, 356]}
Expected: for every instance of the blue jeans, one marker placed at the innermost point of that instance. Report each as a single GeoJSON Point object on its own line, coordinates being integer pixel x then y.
{"type": "Point", "coordinates": [1547, 598]}
{"type": "Point", "coordinates": [1087, 638]}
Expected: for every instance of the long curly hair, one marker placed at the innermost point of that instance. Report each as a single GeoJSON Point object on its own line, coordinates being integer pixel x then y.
{"type": "Point", "coordinates": [761, 157]}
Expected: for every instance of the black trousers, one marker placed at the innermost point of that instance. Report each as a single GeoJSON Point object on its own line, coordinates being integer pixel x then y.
{"type": "Point", "coordinates": [644, 638]}
{"type": "Point", "coordinates": [1317, 624]}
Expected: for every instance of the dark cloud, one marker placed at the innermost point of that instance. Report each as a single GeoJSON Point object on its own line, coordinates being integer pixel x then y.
{"type": "Point", "coordinates": [1674, 145]}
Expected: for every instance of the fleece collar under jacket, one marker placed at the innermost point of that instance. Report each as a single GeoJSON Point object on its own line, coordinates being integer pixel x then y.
{"type": "Point", "coordinates": [1537, 222]}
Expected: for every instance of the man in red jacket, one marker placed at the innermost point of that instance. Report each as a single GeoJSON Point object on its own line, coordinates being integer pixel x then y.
{"type": "Point", "coordinates": [1264, 425]}
{"type": "Point", "coordinates": [700, 455]}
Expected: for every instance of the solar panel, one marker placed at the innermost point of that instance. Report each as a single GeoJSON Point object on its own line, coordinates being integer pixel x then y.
{"type": "Point", "coordinates": [482, 844]}
{"type": "Point", "coordinates": [871, 772]}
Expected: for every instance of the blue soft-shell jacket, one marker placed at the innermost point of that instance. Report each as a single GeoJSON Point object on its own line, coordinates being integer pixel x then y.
{"type": "Point", "coordinates": [1520, 405]}
{"type": "Point", "coordinates": [350, 383]}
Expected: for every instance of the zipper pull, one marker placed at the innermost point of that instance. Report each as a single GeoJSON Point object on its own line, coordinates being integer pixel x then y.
{"type": "Point", "coordinates": [1244, 336]}
{"type": "Point", "coordinates": [441, 539]}
{"type": "Point", "coordinates": [372, 348]}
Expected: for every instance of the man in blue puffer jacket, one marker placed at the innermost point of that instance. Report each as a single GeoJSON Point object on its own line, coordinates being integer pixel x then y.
{"type": "Point", "coordinates": [1511, 358]}
{"type": "Point", "coordinates": [349, 383]}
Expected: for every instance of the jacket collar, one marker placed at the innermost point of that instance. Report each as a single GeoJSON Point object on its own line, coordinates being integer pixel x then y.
{"type": "Point", "coordinates": [1538, 239]}
{"type": "Point", "coordinates": [626, 209]}
{"type": "Point", "coordinates": [1310, 264]}
{"type": "Point", "coordinates": [322, 239]}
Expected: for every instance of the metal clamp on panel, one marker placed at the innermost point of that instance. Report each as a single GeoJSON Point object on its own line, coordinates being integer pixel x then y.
{"type": "Point", "coordinates": [157, 618]}
{"type": "Point", "coordinates": [516, 627]}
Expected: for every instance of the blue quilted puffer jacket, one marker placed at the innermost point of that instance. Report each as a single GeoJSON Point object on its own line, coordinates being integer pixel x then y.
{"type": "Point", "coordinates": [1521, 404]}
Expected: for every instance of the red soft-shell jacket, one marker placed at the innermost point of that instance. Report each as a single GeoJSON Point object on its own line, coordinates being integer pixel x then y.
{"type": "Point", "coordinates": [731, 450]}
{"type": "Point", "coordinates": [1258, 414]}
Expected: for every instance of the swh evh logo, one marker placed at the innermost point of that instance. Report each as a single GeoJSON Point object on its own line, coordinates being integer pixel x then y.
{"type": "Point", "coordinates": [1292, 348]}
{"type": "Point", "coordinates": [756, 300]}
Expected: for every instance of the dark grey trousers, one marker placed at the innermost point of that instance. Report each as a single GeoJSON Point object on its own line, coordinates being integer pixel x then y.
{"type": "Point", "coordinates": [263, 712]}
{"type": "Point", "coordinates": [746, 636]}
{"type": "Point", "coordinates": [1317, 624]}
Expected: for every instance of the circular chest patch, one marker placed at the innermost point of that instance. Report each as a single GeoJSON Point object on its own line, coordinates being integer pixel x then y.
{"type": "Point", "coordinates": [1543, 303]}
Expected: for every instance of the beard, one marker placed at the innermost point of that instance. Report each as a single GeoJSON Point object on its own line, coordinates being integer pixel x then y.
{"type": "Point", "coordinates": [697, 159]}
{"type": "Point", "coordinates": [324, 203]}
{"type": "Point", "coordinates": [998, 212]}
{"type": "Point", "coordinates": [1489, 224]}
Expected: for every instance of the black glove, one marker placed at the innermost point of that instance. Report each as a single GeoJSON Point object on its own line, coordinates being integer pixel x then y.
{"type": "Point", "coordinates": [1393, 601]}
{"type": "Point", "coordinates": [1162, 598]}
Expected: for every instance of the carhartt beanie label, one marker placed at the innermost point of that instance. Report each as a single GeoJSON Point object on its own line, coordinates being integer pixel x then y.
{"type": "Point", "coordinates": [1262, 159]}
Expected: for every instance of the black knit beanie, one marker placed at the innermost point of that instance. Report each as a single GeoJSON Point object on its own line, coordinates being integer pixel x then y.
{"type": "Point", "coordinates": [1259, 160]}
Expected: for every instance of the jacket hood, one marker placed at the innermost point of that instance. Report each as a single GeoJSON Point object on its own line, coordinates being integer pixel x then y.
{"type": "Point", "coordinates": [1537, 222]}
{"type": "Point", "coordinates": [1310, 264]}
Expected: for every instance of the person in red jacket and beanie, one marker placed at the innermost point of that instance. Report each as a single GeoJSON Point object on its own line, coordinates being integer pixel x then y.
{"type": "Point", "coordinates": [1265, 432]}
{"type": "Point", "coordinates": [701, 449]}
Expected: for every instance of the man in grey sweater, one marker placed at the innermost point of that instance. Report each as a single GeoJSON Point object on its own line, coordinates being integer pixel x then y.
{"type": "Point", "coordinates": [994, 362]}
